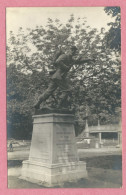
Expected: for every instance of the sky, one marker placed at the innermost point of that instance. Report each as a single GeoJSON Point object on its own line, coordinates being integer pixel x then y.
{"type": "Point", "coordinates": [30, 17]}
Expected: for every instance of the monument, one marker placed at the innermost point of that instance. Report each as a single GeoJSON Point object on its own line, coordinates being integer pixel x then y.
{"type": "Point", "coordinates": [53, 157]}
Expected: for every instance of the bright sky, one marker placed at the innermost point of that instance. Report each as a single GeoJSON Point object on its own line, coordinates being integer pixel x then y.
{"type": "Point", "coordinates": [30, 17]}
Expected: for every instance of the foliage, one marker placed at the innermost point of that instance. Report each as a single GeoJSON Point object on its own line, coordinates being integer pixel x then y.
{"type": "Point", "coordinates": [113, 37]}
{"type": "Point", "coordinates": [95, 86]}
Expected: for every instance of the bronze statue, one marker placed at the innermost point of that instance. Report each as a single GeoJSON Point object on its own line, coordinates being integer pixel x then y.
{"type": "Point", "coordinates": [63, 64]}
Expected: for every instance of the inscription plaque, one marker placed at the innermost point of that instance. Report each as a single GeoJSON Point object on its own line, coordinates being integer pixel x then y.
{"type": "Point", "coordinates": [65, 144]}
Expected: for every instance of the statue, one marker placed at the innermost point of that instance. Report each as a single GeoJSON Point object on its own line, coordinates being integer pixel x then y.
{"type": "Point", "coordinates": [63, 64]}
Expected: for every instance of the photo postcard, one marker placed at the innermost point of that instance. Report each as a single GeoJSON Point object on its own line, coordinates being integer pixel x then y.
{"type": "Point", "coordinates": [64, 97]}
{"type": "Point", "coordinates": [62, 83]}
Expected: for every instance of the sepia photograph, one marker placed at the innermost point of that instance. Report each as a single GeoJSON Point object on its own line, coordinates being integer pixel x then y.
{"type": "Point", "coordinates": [63, 75]}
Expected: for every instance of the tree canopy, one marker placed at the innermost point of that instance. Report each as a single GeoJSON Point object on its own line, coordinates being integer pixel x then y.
{"type": "Point", "coordinates": [113, 37]}
{"type": "Point", "coordinates": [96, 87]}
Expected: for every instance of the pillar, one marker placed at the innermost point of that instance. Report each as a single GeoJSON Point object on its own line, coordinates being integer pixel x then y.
{"type": "Point", "coordinates": [100, 139]}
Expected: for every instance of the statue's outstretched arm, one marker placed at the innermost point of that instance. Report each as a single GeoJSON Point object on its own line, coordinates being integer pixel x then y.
{"type": "Point", "coordinates": [82, 60]}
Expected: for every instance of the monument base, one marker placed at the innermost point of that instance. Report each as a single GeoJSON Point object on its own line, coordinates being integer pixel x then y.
{"type": "Point", "coordinates": [53, 158]}
{"type": "Point", "coordinates": [53, 175]}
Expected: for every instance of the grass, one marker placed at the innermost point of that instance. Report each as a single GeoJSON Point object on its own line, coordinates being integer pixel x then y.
{"type": "Point", "coordinates": [113, 162]}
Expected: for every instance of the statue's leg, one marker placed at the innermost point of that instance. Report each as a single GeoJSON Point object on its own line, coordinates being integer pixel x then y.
{"type": "Point", "coordinates": [65, 88]}
{"type": "Point", "coordinates": [52, 87]}
{"type": "Point", "coordinates": [64, 96]}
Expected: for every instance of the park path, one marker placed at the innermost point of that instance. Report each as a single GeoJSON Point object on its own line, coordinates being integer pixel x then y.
{"type": "Point", "coordinates": [18, 155]}
{"type": "Point", "coordinates": [23, 154]}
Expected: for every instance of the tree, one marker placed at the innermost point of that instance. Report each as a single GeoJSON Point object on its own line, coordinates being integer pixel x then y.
{"type": "Point", "coordinates": [30, 56]}
{"type": "Point", "coordinates": [113, 36]}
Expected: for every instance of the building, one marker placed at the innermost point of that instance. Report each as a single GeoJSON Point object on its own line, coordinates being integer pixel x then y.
{"type": "Point", "coordinates": [103, 131]}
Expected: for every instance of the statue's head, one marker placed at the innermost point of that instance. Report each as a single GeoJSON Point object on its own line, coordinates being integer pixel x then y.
{"type": "Point", "coordinates": [73, 49]}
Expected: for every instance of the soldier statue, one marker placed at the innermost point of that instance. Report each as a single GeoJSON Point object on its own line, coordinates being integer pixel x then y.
{"type": "Point", "coordinates": [63, 64]}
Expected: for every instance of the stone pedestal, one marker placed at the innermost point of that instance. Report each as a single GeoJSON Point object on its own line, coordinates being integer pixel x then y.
{"type": "Point", "coordinates": [53, 157]}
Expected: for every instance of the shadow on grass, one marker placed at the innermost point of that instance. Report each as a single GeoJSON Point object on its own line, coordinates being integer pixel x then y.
{"type": "Point", "coordinates": [113, 162]}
